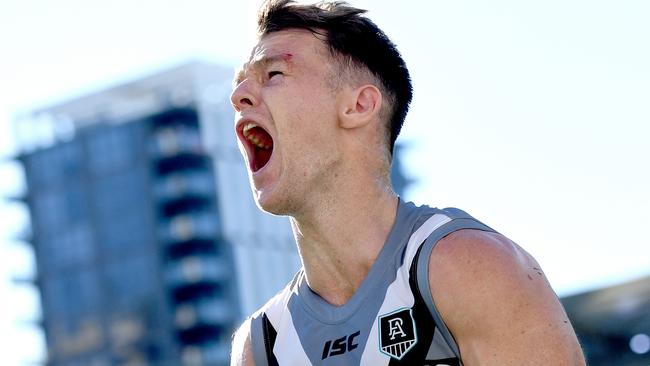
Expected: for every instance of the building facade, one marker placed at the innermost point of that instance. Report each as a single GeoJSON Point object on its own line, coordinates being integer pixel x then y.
{"type": "Point", "coordinates": [149, 247]}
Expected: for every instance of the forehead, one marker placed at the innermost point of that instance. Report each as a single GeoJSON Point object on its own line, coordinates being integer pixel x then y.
{"type": "Point", "coordinates": [297, 39]}
{"type": "Point", "coordinates": [289, 46]}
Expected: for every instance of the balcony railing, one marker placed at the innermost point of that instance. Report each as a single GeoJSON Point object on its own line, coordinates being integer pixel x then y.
{"type": "Point", "coordinates": [194, 269]}
{"type": "Point", "coordinates": [171, 141]}
{"type": "Point", "coordinates": [203, 312]}
{"type": "Point", "coordinates": [192, 183]}
{"type": "Point", "coordinates": [189, 226]}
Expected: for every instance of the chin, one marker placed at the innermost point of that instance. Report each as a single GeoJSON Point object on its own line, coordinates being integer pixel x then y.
{"type": "Point", "coordinates": [270, 203]}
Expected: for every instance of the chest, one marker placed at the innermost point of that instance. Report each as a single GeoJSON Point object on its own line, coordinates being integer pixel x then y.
{"type": "Point", "coordinates": [391, 326]}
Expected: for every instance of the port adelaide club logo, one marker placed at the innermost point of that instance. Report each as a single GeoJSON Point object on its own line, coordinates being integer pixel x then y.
{"type": "Point", "coordinates": [397, 333]}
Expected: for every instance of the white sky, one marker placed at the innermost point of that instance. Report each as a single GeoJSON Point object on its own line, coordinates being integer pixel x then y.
{"type": "Point", "coordinates": [532, 116]}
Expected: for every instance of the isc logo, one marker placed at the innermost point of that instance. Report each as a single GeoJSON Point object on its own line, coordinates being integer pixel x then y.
{"type": "Point", "coordinates": [341, 345]}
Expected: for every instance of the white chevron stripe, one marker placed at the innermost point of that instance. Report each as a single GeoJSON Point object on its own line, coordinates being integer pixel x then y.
{"type": "Point", "coordinates": [399, 293]}
{"type": "Point", "coordinates": [287, 349]}
{"type": "Point", "coordinates": [288, 341]}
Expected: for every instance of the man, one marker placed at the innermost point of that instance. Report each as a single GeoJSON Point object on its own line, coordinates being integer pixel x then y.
{"type": "Point", "coordinates": [319, 104]}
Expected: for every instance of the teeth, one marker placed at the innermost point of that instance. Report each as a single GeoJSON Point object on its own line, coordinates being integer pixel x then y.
{"type": "Point", "coordinates": [253, 138]}
{"type": "Point", "coordinates": [257, 142]}
{"type": "Point", "coordinates": [247, 127]}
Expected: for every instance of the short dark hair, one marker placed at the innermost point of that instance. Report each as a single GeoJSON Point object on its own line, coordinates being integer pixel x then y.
{"type": "Point", "coordinates": [349, 34]}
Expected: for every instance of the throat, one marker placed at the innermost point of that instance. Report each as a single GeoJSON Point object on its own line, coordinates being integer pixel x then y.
{"type": "Point", "coordinates": [337, 292]}
{"type": "Point", "coordinates": [342, 248]}
{"type": "Point", "coordinates": [337, 276]}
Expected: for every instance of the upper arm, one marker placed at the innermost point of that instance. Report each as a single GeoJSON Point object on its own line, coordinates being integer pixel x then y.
{"type": "Point", "coordinates": [241, 353]}
{"type": "Point", "coordinates": [496, 301]}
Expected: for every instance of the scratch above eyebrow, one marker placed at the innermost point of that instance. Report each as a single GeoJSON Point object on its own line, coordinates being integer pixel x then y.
{"type": "Point", "coordinates": [239, 76]}
{"type": "Point", "coordinates": [261, 63]}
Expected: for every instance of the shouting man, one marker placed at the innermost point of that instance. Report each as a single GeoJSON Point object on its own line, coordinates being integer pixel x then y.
{"type": "Point", "coordinates": [319, 105]}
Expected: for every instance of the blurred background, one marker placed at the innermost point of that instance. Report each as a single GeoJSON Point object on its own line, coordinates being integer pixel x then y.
{"type": "Point", "coordinates": [128, 235]}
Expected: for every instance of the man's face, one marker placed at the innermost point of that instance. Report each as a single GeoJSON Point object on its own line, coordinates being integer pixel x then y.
{"type": "Point", "coordinates": [286, 120]}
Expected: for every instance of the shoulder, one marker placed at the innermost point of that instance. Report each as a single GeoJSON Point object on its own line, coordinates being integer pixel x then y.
{"type": "Point", "coordinates": [496, 300]}
{"type": "Point", "coordinates": [250, 331]}
{"type": "Point", "coordinates": [478, 267]}
{"type": "Point", "coordinates": [474, 250]}
{"type": "Point", "coordinates": [241, 352]}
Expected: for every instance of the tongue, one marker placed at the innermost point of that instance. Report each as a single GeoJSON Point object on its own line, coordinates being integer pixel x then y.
{"type": "Point", "coordinates": [262, 155]}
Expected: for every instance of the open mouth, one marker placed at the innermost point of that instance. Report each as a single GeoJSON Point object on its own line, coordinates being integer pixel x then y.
{"type": "Point", "coordinates": [261, 145]}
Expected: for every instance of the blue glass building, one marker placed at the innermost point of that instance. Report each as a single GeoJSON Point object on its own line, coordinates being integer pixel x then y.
{"type": "Point", "coordinates": [145, 233]}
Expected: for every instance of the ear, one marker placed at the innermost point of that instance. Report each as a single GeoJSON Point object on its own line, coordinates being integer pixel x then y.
{"type": "Point", "coordinates": [360, 106]}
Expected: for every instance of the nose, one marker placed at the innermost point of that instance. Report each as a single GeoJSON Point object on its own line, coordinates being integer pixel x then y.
{"type": "Point", "coordinates": [244, 95]}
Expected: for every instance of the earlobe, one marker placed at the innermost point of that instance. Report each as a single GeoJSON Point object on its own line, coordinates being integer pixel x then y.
{"type": "Point", "coordinates": [361, 106]}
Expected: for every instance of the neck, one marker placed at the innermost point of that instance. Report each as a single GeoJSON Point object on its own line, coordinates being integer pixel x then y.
{"type": "Point", "coordinates": [341, 236]}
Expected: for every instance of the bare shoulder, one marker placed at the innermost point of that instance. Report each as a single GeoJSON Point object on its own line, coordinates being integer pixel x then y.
{"type": "Point", "coordinates": [496, 300]}
{"type": "Point", "coordinates": [471, 267]}
{"type": "Point", "coordinates": [476, 251]}
{"type": "Point", "coordinates": [241, 353]}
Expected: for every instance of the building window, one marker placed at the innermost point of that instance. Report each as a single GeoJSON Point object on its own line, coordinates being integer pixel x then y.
{"type": "Point", "coordinates": [71, 296]}
{"type": "Point", "coordinates": [123, 211]}
{"type": "Point", "coordinates": [73, 247]}
{"type": "Point", "coordinates": [112, 147]}
{"type": "Point", "coordinates": [53, 166]}
{"type": "Point", "coordinates": [131, 280]}
{"type": "Point", "coordinates": [56, 210]}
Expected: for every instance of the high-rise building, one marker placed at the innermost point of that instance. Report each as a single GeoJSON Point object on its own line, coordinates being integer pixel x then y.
{"type": "Point", "coordinates": [149, 247]}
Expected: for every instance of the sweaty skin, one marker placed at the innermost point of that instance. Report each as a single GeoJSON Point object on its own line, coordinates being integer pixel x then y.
{"type": "Point", "coordinates": [327, 174]}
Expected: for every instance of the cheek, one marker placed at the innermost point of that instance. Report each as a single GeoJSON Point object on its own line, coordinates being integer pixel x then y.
{"type": "Point", "coordinates": [305, 120]}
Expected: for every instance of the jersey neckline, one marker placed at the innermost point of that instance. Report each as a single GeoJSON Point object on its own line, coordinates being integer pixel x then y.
{"type": "Point", "coordinates": [398, 236]}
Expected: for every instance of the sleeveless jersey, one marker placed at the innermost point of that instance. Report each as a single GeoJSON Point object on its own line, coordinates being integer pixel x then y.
{"type": "Point", "coordinates": [390, 320]}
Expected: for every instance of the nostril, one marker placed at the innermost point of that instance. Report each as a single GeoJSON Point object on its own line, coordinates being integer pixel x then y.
{"type": "Point", "coordinates": [244, 94]}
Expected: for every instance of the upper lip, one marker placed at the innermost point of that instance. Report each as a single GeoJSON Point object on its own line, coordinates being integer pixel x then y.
{"type": "Point", "coordinates": [242, 121]}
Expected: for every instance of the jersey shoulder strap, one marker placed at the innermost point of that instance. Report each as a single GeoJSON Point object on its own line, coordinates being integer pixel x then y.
{"type": "Point", "coordinates": [262, 331]}
{"type": "Point", "coordinates": [420, 268]}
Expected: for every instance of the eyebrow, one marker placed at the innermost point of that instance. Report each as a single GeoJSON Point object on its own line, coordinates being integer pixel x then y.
{"type": "Point", "coordinates": [260, 63]}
